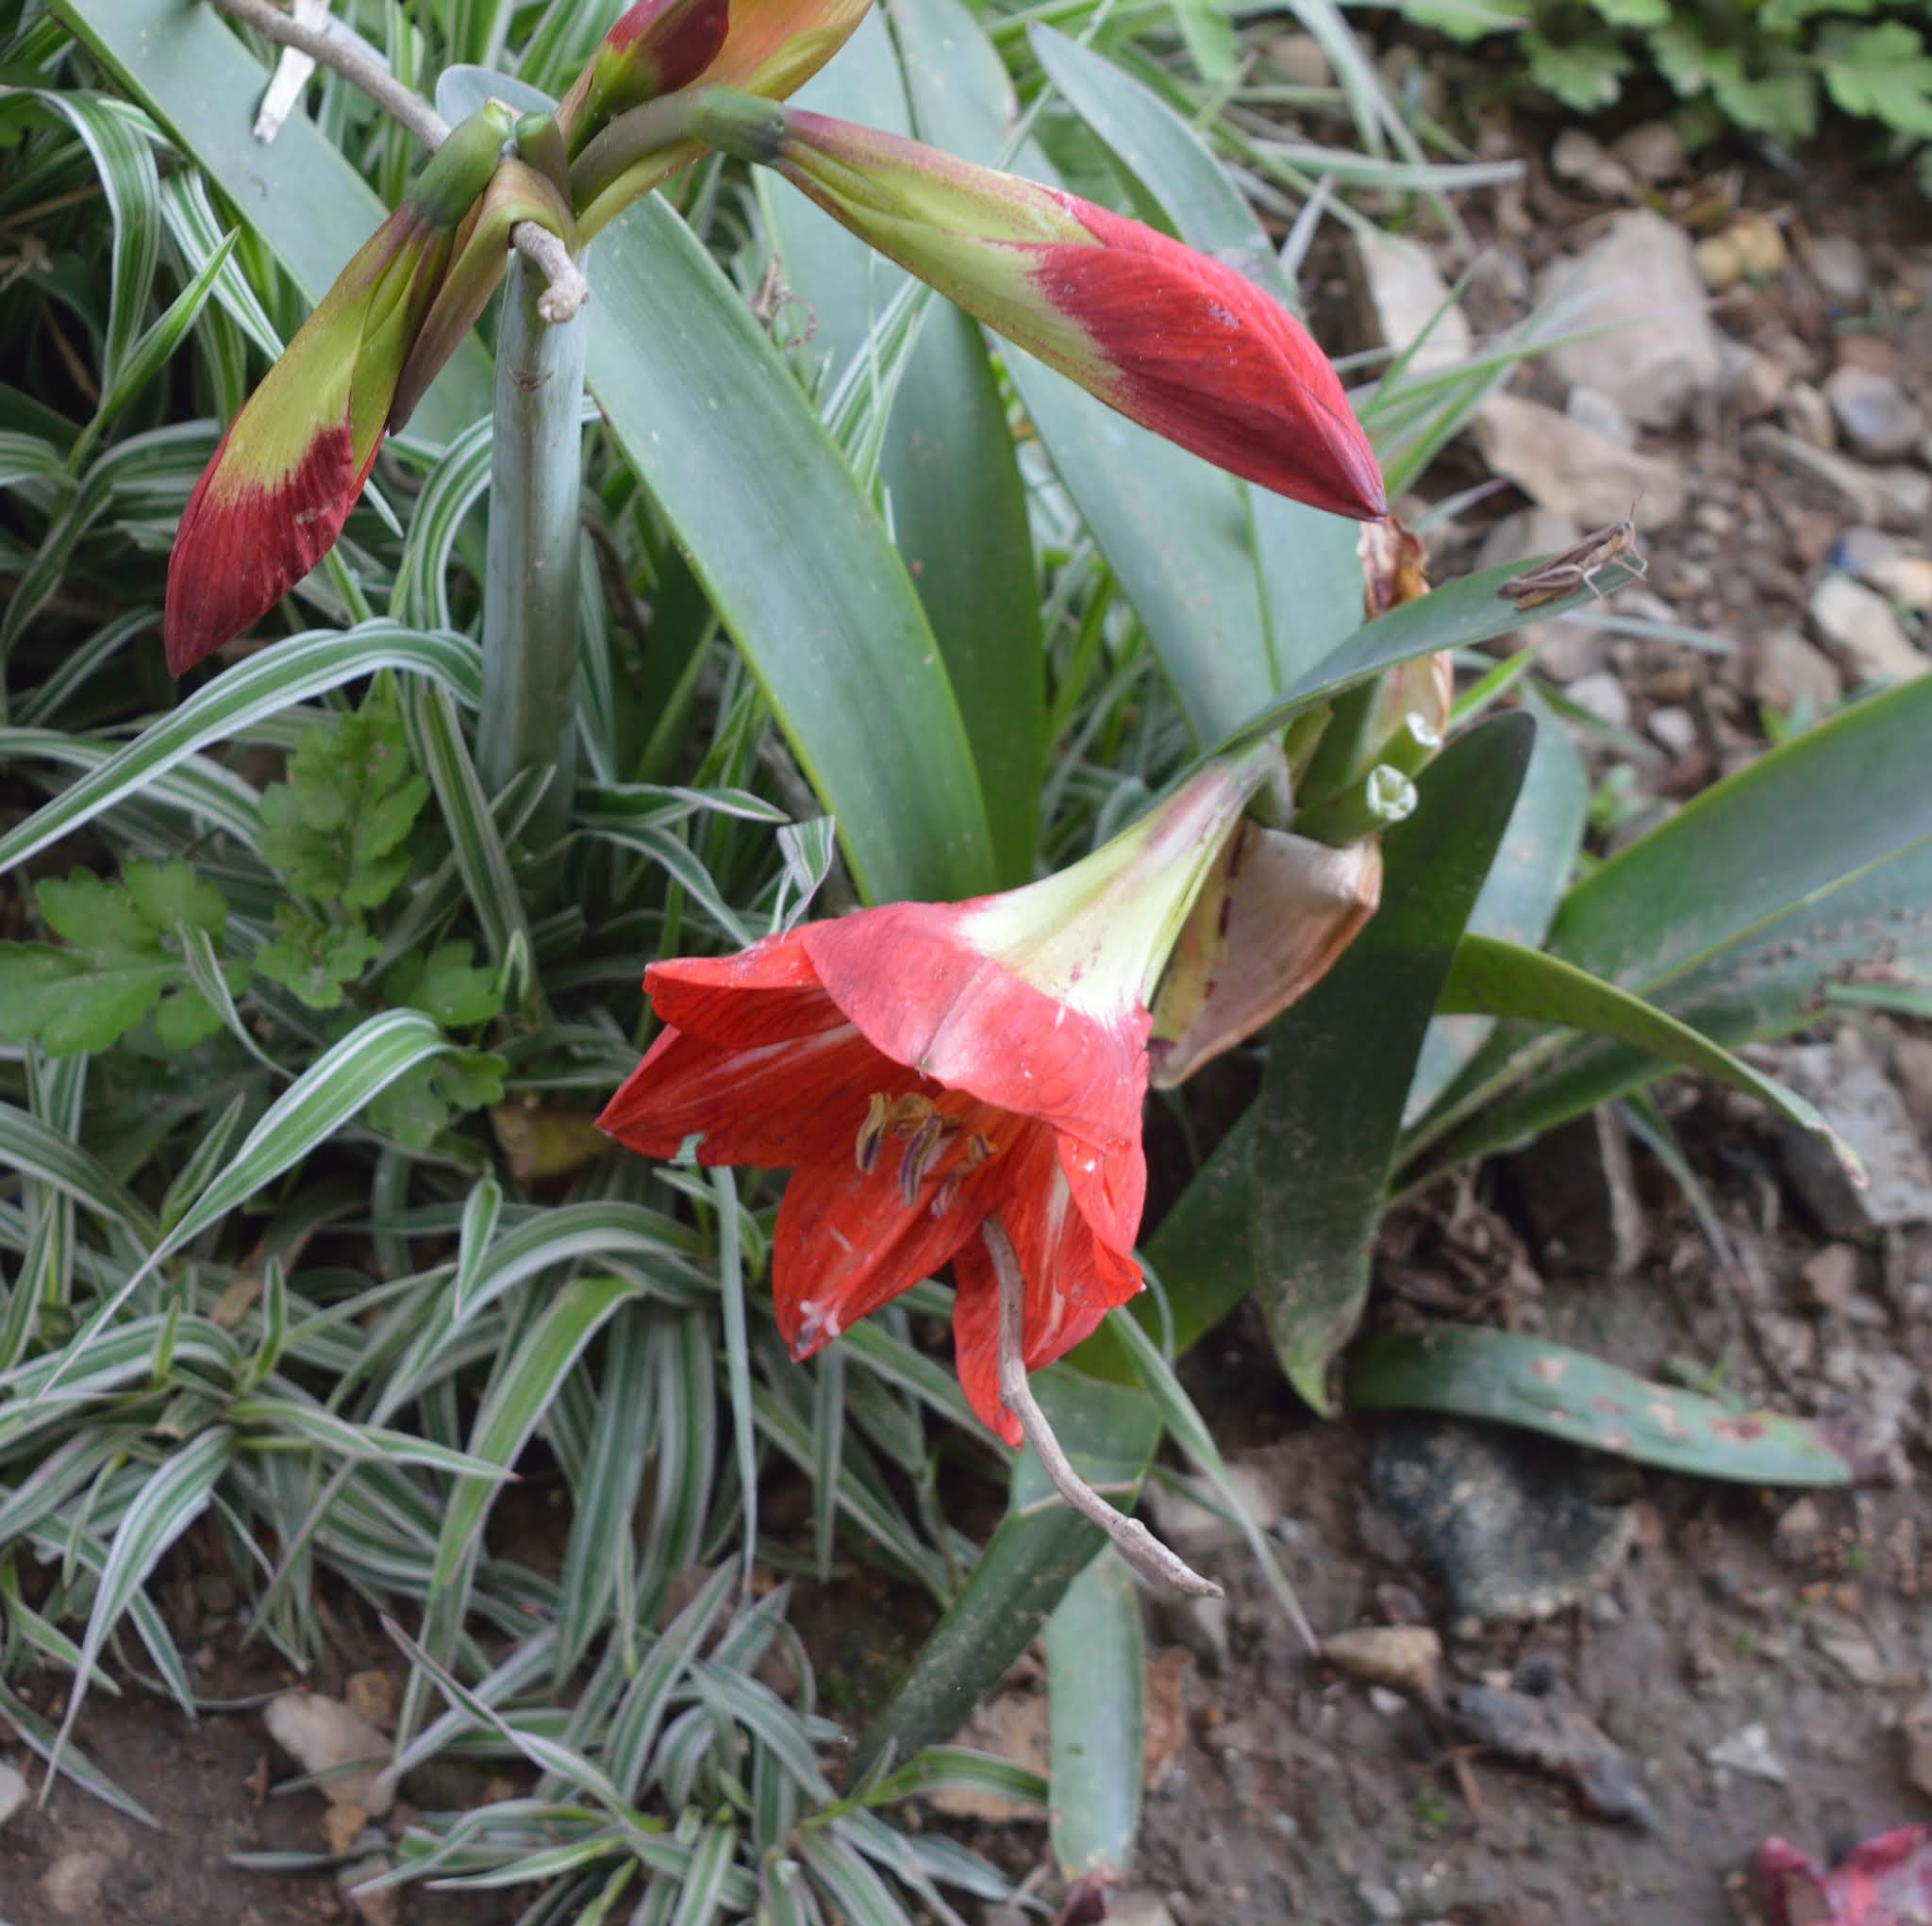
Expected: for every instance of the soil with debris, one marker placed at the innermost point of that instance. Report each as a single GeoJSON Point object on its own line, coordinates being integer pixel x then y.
{"type": "Point", "coordinates": [1714, 1664]}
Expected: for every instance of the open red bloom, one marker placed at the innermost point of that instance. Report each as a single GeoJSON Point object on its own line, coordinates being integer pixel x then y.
{"type": "Point", "coordinates": [921, 1066]}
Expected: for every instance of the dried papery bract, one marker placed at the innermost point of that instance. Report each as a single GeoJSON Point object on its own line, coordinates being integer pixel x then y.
{"type": "Point", "coordinates": [1172, 337]}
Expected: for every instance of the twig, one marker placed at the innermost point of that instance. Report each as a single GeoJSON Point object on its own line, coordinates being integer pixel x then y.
{"type": "Point", "coordinates": [1132, 1538]}
{"type": "Point", "coordinates": [563, 300]}
{"type": "Point", "coordinates": [329, 48]}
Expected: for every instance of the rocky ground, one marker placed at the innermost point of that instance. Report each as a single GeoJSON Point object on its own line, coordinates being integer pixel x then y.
{"type": "Point", "coordinates": [1674, 1669]}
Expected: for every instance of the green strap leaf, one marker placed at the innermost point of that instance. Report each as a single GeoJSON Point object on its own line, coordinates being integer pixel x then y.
{"type": "Point", "coordinates": [1514, 1379]}
{"type": "Point", "coordinates": [1339, 1062]}
{"type": "Point", "coordinates": [1096, 1680]}
{"type": "Point", "coordinates": [791, 555]}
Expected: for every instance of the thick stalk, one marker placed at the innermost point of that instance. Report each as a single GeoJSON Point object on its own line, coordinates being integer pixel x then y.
{"type": "Point", "coordinates": [530, 604]}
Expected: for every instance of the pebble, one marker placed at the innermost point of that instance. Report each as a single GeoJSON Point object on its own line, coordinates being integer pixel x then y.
{"type": "Point", "coordinates": [1755, 383]}
{"type": "Point", "coordinates": [1398, 290]}
{"type": "Point", "coordinates": [1748, 1751]}
{"type": "Point", "coordinates": [1838, 263]}
{"type": "Point", "coordinates": [72, 1886]}
{"type": "Point", "coordinates": [1894, 496]}
{"type": "Point", "coordinates": [1192, 1529]}
{"type": "Point", "coordinates": [1199, 1625]}
{"type": "Point", "coordinates": [1602, 695]}
{"type": "Point", "coordinates": [1299, 59]}
{"type": "Point", "coordinates": [1750, 249]}
{"type": "Point", "coordinates": [1598, 411]}
{"type": "Point", "coordinates": [1658, 349]}
{"type": "Point", "coordinates": [13, 1792]}
{"type": "Point", "coordinates": [1579, 156]}
{"type": "Point", "coordinates": [1564, 466]}
{"type": "Point", "coordinates": [1676, 729]}
{"type": "Point", "coordinates": [1859, 620]}
{"type": "Point", "coordinates": [319, 1734]}
{"type": "Point", "coordinates": [1807, 413]}
{"type": "Point", "coordinates": [1652, 150]}
{"type": "Point", "coordinates": [1879, 417]}
{"type": "Point", "coordinates": [1862, 1104]}
{"type": "Point", "coordinates": [381, 1908]}
{"type": "Point", "coordinates": [1403, 1656]}
{"type": "Point", "coordinates": [1380, 1900]}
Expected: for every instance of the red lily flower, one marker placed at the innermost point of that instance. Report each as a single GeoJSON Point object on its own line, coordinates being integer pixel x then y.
{"type": "Point", "coordinates": [921, 1066]}
{"type": "Point", "coordinates": [1886, 1882]}
{"type": "Point", "coordinates": [1172, 337]}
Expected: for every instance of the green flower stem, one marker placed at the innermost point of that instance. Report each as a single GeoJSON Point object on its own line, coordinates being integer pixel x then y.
{"type": "Point", "coordinates": [530, 607]}
{"type": "Point", "coordinates": [1344, 745]}
{"type": "Point", "coordinates": [632, 138]}
{"type": "Point", "coordinates": [1377, 802]}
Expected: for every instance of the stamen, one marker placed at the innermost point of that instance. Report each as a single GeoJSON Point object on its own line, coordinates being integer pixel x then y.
{"type": "Point", "coordinates": [872, 1132]}
{"type": "Point", "coordinates": [922, 1152]}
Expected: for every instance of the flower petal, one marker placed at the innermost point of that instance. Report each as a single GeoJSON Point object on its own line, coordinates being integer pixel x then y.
{"type": "Point", "coordinates": [759, 995]}
{"type": "Point", "coordinates": [931, 1001]}
{"type": "Point", "coordinates": [1073, 1277]}
{"type": "Point", "coordinates": [847, 1241]}
{"type": "Point", "coordinates": [773, 1105]}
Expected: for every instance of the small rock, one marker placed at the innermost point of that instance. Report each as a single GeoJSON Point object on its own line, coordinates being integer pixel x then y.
{"type": "Point", "coordinates": [1513, 1527]}
{"type": "Point", "coordinates": [1748, 1751]}
{"type": "Point", "coordinates": [1870, 351]}
{"type": "Point", "coordinates": [1398, 290]}
{"type": "Point", "coordinates": [1850, 1649]}
{"type": "Point", "coordinates": [1193, 1529]}
{"type": "Point", "coordinates": [1884, 563]}
{"type": "Point", "coordinates": [341, 1826]}
{"type": "Point", "coordinates": [72, 1886]}
{"type": "Point", "coordinates": [1750, 249]}
{"type": "Point", "coordinates": [1838, 263]}
{"type": "Point", "coordinates": [1676, 729]}
{"type": "Point", "coordinates": [1860, 1103]}
{"type": "Point", "coordinates": [1382, 1903]}
{"type": "Point", "coordinates": [1917, 1763]}
{"type": "Point", "coordinates": [1652, 150]}
{"type": "Point", "coordinates": [320, 1734]}
{"type": "Point", "coordinates": [1403, 1657]}
{"type": "Point", "coordinates": [1879, 417]}
{"type": "Point", "coordinates": [1562, 464]}
{"type": "Point", "coordinates": [1598, 411]}
{"type": "Point", "coordinates": [1798, 1528]}
{"type": "Point", "coordinates": [1658, 350]}
{"type": "Point", "coordinates": [1859, 620]}
{"type": "Point", "coordinates": [13, 1792]}
{"type": "Point", "coordinates": [1755, 383]}
{"type": "Point", "coordinates": [1807, 415]}
{"type": "Point", "coordinates": [1829, 1278]}
{"type": "Point", "coordinates": [1299, 59]}
{"type": "Point", "coordinates": [372, 1695]}
{"type": "Point", "coordinates": [1602, 695]}
{"type": "Point", "coordinates": [1577, 156]}
{"type": "Point", "coordinates": [1137, 1909]}
{"type": "Point", "coordinates": [1912, 1067]}
{"type": "Point", "coordinates": [1893, 496]}
{"type": "Point", "coordinates": [380, 1908]}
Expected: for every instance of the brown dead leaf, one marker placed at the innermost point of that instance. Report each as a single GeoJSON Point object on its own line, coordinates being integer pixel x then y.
{"type": "Point", "coordinates": [1164, 1713]}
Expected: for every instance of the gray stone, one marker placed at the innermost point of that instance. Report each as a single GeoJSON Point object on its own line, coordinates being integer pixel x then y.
{"type": "Point", "coordinates": [1398, 290]}
{"type": "Point", "coordinates": [1790, 672]}
{"type": "Point", "coordinates": [1838, 264]}
{"type": "Point", "coordinates": [322, 1734]}
{"type": "Point", "coordinates": [1652, 150]}
{"type": "Point", "coordinates": [1859, 620]}
{"type": "Point", "coordinates": [1299, 59]}
{"type": "Point", "coordinates": [1576, 155]}
{"type": "Point", "coordinates": [1748, 1751]}
{"type": "Point", "coordinates": [1863, 1105]}
{"type": "Point", "coordinates": [13, 1792]}
{"type": "Point", "coordinates": [1598, 411]}
{"type": "Point", "coordinates": [1807, 413]}
{"type": "Point", "coordinates": [1602, 695]}
{"type": "Point", "coordinates": [1879, 419]}
{"type": "Point", "coordinates": [1893, 496]}
{"type": "Point", "coordinates": [1137, 1909]}
{"type": "Point", "coordinates": [1660, 351]}
{"type": "Point", "coordinates": [73, 1885]}
{"type": "Point", "coordinates": [1200, 1625]}
{"type": "Point", "coordinates": [1562, 464]}
{"type": "Point", "coordinates": [1513, 1526]}
{"type": "Point", "coordinates": [1195, 1526]}
{"type": "Point", "coordinates": [1676, 729]}
{"type": "Point", "coordinates": [1755, 383]}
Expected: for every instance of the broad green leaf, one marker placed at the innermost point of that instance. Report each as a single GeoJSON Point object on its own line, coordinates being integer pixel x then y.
{"type": "Point", "coordinates": [792, 557]}
{"type": "Point", "coordinates": [1095, 1679]}
{"type": "Point", "coordinates": [299, 192]}
{"type": "Point", "coordinates": [1498, 979]}
{"type": "Point", "coordinates": [1341, 1061]}
{"type": "Point", "coordinates": [1514, 1379]}
{"type": "Point", "coordinates": [122, 952]}
{"type": "Point", "coordinates": [1882, 72]}
{"type": "Point", "coordinates": [1037, 1550]}
{"type": "Point", "coordinates": [1734, 916]}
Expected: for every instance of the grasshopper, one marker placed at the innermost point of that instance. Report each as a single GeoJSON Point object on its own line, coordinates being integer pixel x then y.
{"type": "Point", "coordinates": [1578, 567]}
